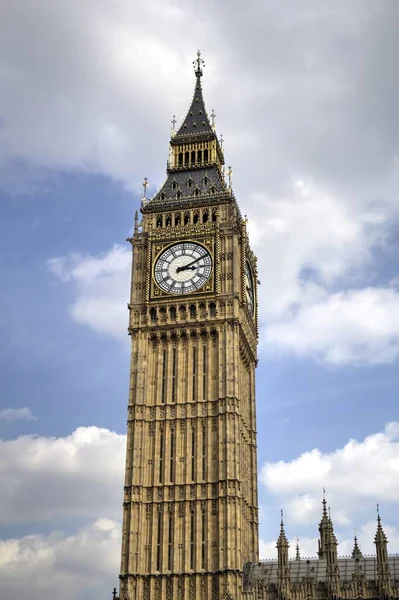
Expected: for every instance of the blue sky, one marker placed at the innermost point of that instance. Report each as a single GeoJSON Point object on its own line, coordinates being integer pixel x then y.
{"type": "Point", "coordinates": [306, 101]}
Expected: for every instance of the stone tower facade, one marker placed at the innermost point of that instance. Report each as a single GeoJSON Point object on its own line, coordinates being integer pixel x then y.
{"type": "Point", "coordinates": [190, 516]}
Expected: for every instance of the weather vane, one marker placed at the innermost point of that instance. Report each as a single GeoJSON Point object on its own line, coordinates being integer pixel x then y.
{"type": "Point", "coordinates": [198, 64]}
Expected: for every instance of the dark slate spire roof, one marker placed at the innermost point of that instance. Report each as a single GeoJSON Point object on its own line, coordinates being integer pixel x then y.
{"type": "Point", "coordinates": [198, 182]}
{"type": "Point", "coordinates": [196, 120]}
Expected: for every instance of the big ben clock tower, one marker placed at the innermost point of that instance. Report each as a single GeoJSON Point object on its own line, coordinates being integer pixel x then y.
{"type": "Point", "coordinates": [190, 519]}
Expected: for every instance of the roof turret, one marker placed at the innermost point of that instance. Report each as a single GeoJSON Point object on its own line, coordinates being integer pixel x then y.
{"type": "Point", "coordinates": [356, 552]}
{"type": "Point", "coordinates": [380, 537]}
{"type": "Point", "coordinates": [282, 541]}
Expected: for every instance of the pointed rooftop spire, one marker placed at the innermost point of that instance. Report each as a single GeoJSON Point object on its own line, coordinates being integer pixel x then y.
{"type": "Point", "coordinates": [282, 538]}
{"type": "Point", "coordinates": [356, 552]}
{"type": "Point", "coordinates": [324, 502]}
{"type": "Point", "coordinates": [196, 121]}
{"type": "Point", "coordinates": [297, 554]}
{"type": "Point", "coordinates": [380, 536]}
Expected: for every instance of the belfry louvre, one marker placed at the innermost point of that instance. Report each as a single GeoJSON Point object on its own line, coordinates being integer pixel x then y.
{"type": "Point", "coordinates": [190, 510]}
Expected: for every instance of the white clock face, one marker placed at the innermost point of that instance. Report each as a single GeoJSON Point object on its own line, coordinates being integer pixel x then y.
{"type": "Point", "coordinates": [249, 289]}
{"type": "Point", "coordinates": [183, 268]}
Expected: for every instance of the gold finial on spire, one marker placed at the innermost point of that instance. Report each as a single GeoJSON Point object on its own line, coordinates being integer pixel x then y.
{"type": "Point", "coordinates": [213, 115]}
{"type": "Point", "coordinates": [198, 64]}
{"type": "Point", "coordinates": [221, 140]}
{"type": "Point", "coordinates": [173, 122]}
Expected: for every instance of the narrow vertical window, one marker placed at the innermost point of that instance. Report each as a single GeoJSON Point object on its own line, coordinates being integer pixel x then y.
{"type": "Point", "coordinates": [193, 454]}
{"type": "Point", "coordinates": [159, 533]}
{"type": "Point", "coordinates": [172, 455]}
{"type": "Point", "coordinates": [161, 450]}
{"type": "Point", "coordinates": [203, 542]}
{"type": "Point", "coordinates": [170, 534]}
{"type": "Point", "coordinates": [163, 393]}
{"type": "Point", "coordinates": [194, 373]}
{"type": "Point", "coordinates": [174, 375]}
{"type": "Point", "coordinates": [204, 373]}
{"type": "Point", "coordinates": [203, 452]}
{"type": "Point", "coordinates": [192, 541]}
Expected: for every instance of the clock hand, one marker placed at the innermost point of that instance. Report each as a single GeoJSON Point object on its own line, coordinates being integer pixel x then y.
{"type": "Point", "coordinates": [186, 267]}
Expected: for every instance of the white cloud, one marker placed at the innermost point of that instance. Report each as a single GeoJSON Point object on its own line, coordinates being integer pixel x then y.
{"type": "Point", "coordinates": [84, 564]}
{"type": "Point", "coordinates": [352, 327]}
{"type": "Point", "coordinates": [356, 476]}
{"type": "Point", "coordinates": [314, 230]}
{"type": "Point", "coordinates": [45, 479]}
{"type": "Point", "coordinates": [310, 110]}
{"type": "Point", "coordinates": [102, 289]}
{"type": "Point", "coordinates": [15, 414]}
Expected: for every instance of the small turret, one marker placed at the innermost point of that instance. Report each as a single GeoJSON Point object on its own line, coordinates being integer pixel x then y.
{"type": "Point", "coordinates": [323, 528]}
{"type": "Point", "coordinates": [283, 572]}
{"type": "Point", "coordinates": [356, 552]}
{"type": "Point", "coordinates": [297, 553]}
{"type": "Point", "coordinates": [383, 574]}
{"type": "Point", "coordinates": [331, 554]}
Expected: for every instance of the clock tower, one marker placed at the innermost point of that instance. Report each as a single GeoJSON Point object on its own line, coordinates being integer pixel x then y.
{"type": "Point", "coordinates": [190, 516]}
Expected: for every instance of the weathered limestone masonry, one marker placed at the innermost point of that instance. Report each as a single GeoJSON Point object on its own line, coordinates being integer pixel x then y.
{"type": "Point", "coordinates": [190, 507]}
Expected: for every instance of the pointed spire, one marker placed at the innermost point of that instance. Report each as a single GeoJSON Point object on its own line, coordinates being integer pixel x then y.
{"type": "Point", "coordinates": [282, 538]}
{"type": "Point", "coordinates": [324, 502]}
{"type": "Point", "coordinates": [323, 527]}
{"type": "Point", "coordinates": [297, 554]}
{"type": "Point", "coordinates": [136, 222]}
{"type": "Point", "coordinates": [380, 536]}
{"type": "Point", "coordinates": [356, 552]}
{"type": "Point", "coordinates": [383, 572]}
{"type": "Point", "coordinates": [196, 121]}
